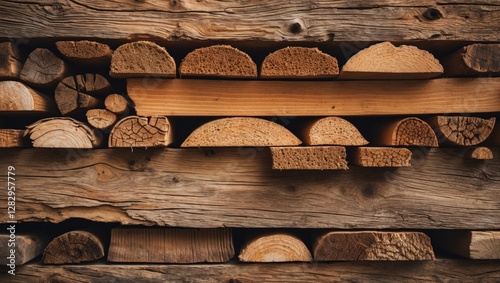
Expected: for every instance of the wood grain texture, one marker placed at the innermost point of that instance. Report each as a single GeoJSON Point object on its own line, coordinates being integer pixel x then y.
{"type": "Point", "coordinates": [74, 247]}
{"type": "Point", "coordinates": [27, 247]}
{"type": "Point", "coordinates": [331, 131]}
{"type": "Point", "coordinates": [135, 131]}
{"type": "Point", "coordinates": [380, 156]}
{"type": "Point", "coordinates": [470, 244]}
{"type": "Point", "coordinates": [472, 60]}
{"type": "Point", "coordinates": [479, 153]}
{"type": "Point", "coordinates": [462, 130]}
{"type": "Point", "coordinates": [410, 131]}
{"type": "Point", "coordinates": [309, 158]}
{"type": "Point", "coordinates": [86, 52]}
{"type": "Point", "coordinates": [17, 97]}
{"type": "Point", "coordinates": [10, 61]}
{"type": "Point", "coordinates": [414, 272]}
{"type": "Point", "coordinates": [43, 69]}
{"type": "Point", "coordinates": [235, 187]}
{"type": "Point", "coordinates": [12, 138]}
{"type": "Point", "coordinates": [319, 98]}
{"type": "Point", "coordinates": [101, 119]}
{"type": "Point", "coordinates": [275, 247]}
{"type": "Point", "coordinates": [320, 21]}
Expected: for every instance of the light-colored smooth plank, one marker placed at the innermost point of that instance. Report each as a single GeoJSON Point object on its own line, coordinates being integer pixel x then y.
{"type": "Point", "coordinates": [305, 98]}
{"type": "Point", "coordinates": [236, 187]}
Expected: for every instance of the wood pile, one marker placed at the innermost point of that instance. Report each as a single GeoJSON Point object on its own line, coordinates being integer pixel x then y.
{"type": "Point", "coordinates": [250, 157]}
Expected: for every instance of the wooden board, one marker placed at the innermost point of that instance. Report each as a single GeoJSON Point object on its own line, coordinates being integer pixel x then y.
{"type": "Point", "coordinates": [309, 158]}
{"type": "Point", "coordinates": [25, 246]}
{"type": "Point", "coordinates": [297, 20]}
{"type": "Point", "coordinates": [305, 98]}
{"type": "Point", "coordinates": [12, 138]}
{"type": "Point", "coordinates": [236, 187]}
{"type": "Point", "coordinates": [414, 272]}
{"type": "Point", "coordinates": [275, 247]}
{"type": "Point", "coordinates": [470, 244]}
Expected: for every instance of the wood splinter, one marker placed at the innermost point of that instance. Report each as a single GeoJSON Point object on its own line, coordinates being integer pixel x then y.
{"type": "Point", "coordinates": [43, 69]}
{"type": "Point", "coordinates": [76, 93]}
{"type": "Point", "coordinates": [479, 153]}
{"type": "Point", "coordinates": [309, 158]}
{"type": "Point", "coordinates": [278, 247]}
{"type": "Point", "coordinates": [74, 247]}
{"type": "Point", "coordinates": [371, 245]}
{"type": "Point", "coordinates": [462, 130]}
{"type": "Point", "coordinates": [410, 131]}
{"type": "Point", "coordinates": [10, 61]}
{"type": "Point", "coordinates": [381, 157]}
{"type": "Point", "coordinates": [331, 131]}
{"type": "Point", "coordinates": [135, 131]}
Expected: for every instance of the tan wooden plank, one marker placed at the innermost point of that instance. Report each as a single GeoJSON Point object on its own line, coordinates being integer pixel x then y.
{"type": "Point", "coordinates": [321, 21]}
{"type": "Point", "coordinates": [25, 246]}
{"type": "Point", "coordinates": [182, 97]}
{"type": "Point", "coordinates": [236, 187]}
{"type": "Point", "coordinates": [470, 244]}
{"type": "Point", "coordinates": [417, 272]}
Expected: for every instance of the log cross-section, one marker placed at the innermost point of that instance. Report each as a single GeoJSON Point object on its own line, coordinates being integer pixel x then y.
{"type": "Point", "coordinates": [135, 131]}
{"type": "Point", "coordinates": [76, 93]}
{"type": "Point", "coordinates": [10, 61]}
{"type": "Point", "coordinates": [43, 69]}
{"type": "Point", "coordinates": [331, 131]}
{"type": "Point", "coordinates": [409, 131]}
{"type": "Point", "coordinates": [74, 247]}
{"type": "Point", "coordinates": [276, 247]}
{"type": "Point", "coordinates": [472, 60]}
{"type": "Point", "coordinates": [25, 246]}
{"type": "Point", "coordinates": [462, 130]}
{"type": "Point", "coordinates": [16, 97]}
{"type": "Point", "coordinates": [101, 119]}
{"type": "Point", "coordinates": [86, 52]}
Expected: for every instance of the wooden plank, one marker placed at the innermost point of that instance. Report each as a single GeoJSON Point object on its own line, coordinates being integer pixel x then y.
{"type": "Point", "coordinates": [470, 244]}
{"type": "Point", "coordinates": [116, 103]}
{"type": "Point", "coordinates": [170, 245]}
{"type": "Point", "coordinates": [372, 245]}
{"type": "Point", "coordinates": [321, 21]}
{"type": "Point", "coordinates": [84, 52]}
{"type": "Point", "coordinates": [319, 98]}
{"type": "Point", "coordinates": [74, 247]}
{"type": "Point", "coordinates": [76, 93]}
{"type": "Point", "coordinates": [417, 272]}
{"type": "Point", "coordinates": [309, 158]}
{"type": "Point", "coordinates": [472, 60]}
{"type": "Point", "coordinates": [25, 246]}
{"type": "Point", "coordinates": [380, 156]}
{"type": "Point", "coordinates": [275, 247]}
{"type": "Point", "coordinates": [235, 187]}
{"type": "Point", "coordinates": [12, 138]}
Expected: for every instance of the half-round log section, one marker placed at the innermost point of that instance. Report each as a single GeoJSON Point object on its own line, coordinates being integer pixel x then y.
{"type": "Point", "coordinates": [386, 61]}
{"type": "Point", "coordinates": [278, 247]}
{"type": "Point", "coordinates": [135, 131]}
{"type": "Point", "coordinates": [221, 61]}
{"type": "Point", "coordinates": [86, 52]}
{"type": "Point", "coordinates": [240, 131]}
{"type": "Point", "coordinates": [410, 131]}
{"type": "Point", "coordinates": [15, 96]}
{"type": "Point", "coordinates": [462, 130]}
{"type": "Point", "coordinates": [331, 131]}
{"type": "Point", "coordinates": [62, 133]}
{"type": "Point", "coordinates": [479, 153]}
{"type": "Point", "coordinates": [73, 247]}
{"type": "Point", "coordinates": [142, 59]}
{"type": "Point", "coordinates": [299, 63]}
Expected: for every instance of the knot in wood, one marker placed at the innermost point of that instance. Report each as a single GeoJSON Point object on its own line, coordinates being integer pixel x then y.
{"type": "Point", "coordinates": [433, 13]}
{"type": "Point", "coordinates": [295, 28]}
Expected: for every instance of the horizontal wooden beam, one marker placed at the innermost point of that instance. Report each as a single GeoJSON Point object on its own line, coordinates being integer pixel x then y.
{"type": "Point", "coordinates": [183, 97]}
{"type": "Point", "coordinates": [320, 21]}
{"type": "Point", "coordinates": [236, 187]}
{"type": "Point", "coordinates": [428, 271]}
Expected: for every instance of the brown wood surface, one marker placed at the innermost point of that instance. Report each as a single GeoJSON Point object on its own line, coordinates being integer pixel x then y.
{"type": "Point", "coordinates": [410, 131]}
{"type": "Point", "coordinates": [331, 131]}
{"type": "Point", "coordinates": [472, 60]}
{"type": "Point", "coordinates": [27, 246]}
{"type": "Point", "coordinates": [43, 69]}
{"type": "Point", "coordinates": [235, 187]}
{"type": "Point", "coordinates": [309, 158]}
{"type": "Point", "coordinates": [381, 156]}
{"type": "Point", "coordinates": [372, 245]}
{"type": "Point", "coordinates": [10, 61]}
{"type": "Point", "coordinates": [470, 244]}
{"type": "Point", "coordinates": [462, 130]}
{"type": "Point", "coordinates": [116, 103]}
{"type": "Point", "coordinates": [17, 97]}
{"type": "Point", "coordinates": [479, 153]}
{"type": "Point", "coordinates": [170, 245]}
{"type": "Point", "coordinates": [275, 247]}
{"type": "Point", "coordinates": [74, 247]}
{"type": "Point", "coordinates": [86, 52]}
{"type": "Point", "coordinates": [101, 119]}
{"type": "Point", "coordinates": [135, 131]}
{"type": "Point", "coordinates": [12, 138]}
{"type": "Point", "coordinates": [410, 271]}
{"type": "Point", "coordinates": [319, 98]}
{"type": "Point", "coordinates": [321, 21]}
{"type": "Point", "coordinates": [76, 93]}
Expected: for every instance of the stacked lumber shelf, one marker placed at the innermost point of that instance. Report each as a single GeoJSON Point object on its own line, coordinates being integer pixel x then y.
{"type": "Point", "coordinates": [236, 142]}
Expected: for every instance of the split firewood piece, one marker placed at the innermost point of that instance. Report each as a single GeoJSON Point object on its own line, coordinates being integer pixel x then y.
{"type": "Point", "coordinates": [386, 61]}
{"type": "Point", "coordinates": [86, 52]}
{"type": "Point", "coordinates": [75, 93]}
{"type": "Point", "coordinates": [15, 96]}
{"type": "Point", "coordinates": [381, 157]}
{"type": "Point", "coordinates": [479, 153]}
{"type": "Point", "coordinates": [142, 59]}
{"type": "Point", "coordinates": [12, 138]}
{"type": "Point", "coordinates": [462, 130]}
{"type": "Point", "coordinates": [63, 132]}
{"type": "Point", "coordinates": [299, 63]}
{"type": "Point", "coordinates": [101, 119]}
{"type": "Point", "coordinates": [10, 61]}
{"type": "Point", "coordinates": [240, 131]}
{"type": "Point", "coordinates": [43, 69]}
{"type": "Point", "coordinates": [27, 247]}
{"type": "Point", "coordinates": [116, 103]}
{"type": "Point", "coordinates": [331, 131]}
{"type": "Point", "coordinates": [470, 244]}
{"type": "Point", "coordinates": [167, 245]}
{"type": "Point", "coordinates": [221, 61]}
{"type": "Point", "coordinates": [74, 247]}
{"type": "Point", "coordinates": [410, 131]}
{"type": "Point", "coordinates": [309, 158]}
{"type": "Point", "coordinates": [472, 60]}
{"type": "Point", "coordinates": [135, 131]}
{"type": "Point", "coordinates": [278, 247]}
{"type": "Point", "coordinates": [371, 245]}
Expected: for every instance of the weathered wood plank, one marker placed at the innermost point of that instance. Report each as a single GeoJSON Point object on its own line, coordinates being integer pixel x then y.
{"type": "Point", "coordinates": [25, 246]}
{"type": "Point", "coordinates": [236, 187]}
{"type": "Point", "coordinates": [312, 98]}
{"type": "Point", "coordinates": [318, 21]}
{"type": "Point", "coordinates": [427, 271]}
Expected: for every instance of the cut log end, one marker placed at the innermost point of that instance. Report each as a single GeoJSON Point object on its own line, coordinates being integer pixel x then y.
{"type": "Point", "coordinates": [381, 157]}
{"type": "Point", "coordinates": [472, 60]}
{"type": "Point", "coordinates": [116, 103]}
{"type": "Point", "coordinates": [27, 247]}
{"type": "Point", "coordinates": [410, 131]}
{"type": "Point", "coordinates": [16, 97]}
{"type": "Point", "coordinates": [142, 59]}
{"type": "Point", "coordinates": [12, 138]}
{"type": "Point", "coordinates": [73, 247]}
{"type": "Point", "coordinates": [332, 131]}
{"type": "Point", "coordinates": [309, 158]}
{"type": "Point", "coordinates": [101, 119]}
{"type": "Point", "coordinates": [10, 61]}
{"type": "Point", "coordinates": [385, 61]}
{"type": "Point", "coordinates": [469, 244]}
{"type": "Point", "coordinates": [389, 246]}
{"type": "Point", "coordinates": [479, 153]}
{"type": "Point", "coordinates": [221, 61]}
{"type": "Point", "coordinates": [135, 131]}
{"type": "Point", "coordinates": [73, 94]}
{"type": "Point", "coordinates": [62, 133]}
{"type": "Point", "coordinates": [462, 130]}
{"type": "Point", "coordinates": [299, 63]}
{"type": "Point", "coordinates": [275, 248]}
{"type": "Point", "coordinates": [43, 69]}
{"type": "Point", "coordinates": [89, 53]}
{"type": "Point", "coordinates": [240, 131]}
